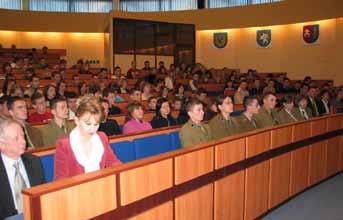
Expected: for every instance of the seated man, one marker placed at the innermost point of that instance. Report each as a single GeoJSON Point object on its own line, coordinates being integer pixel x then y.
{"type": "Point", "coordinates": [246, 121]}
{"type": "Point", "coordinates": [222, 124]}
{"type": "Point", "coordinates": [152, 101]}
{"type": "Point", "coordinates": [194, 132]}
{"type": "Point", "coordinates": [18, 110]}
{"type": "Point", "coordinates": [109, 126]}
{"type": "Point", "coordinates": [72, 104]}
{"type": "Point", "coordinates": [41, 114]}
{"type": "Point", "coordinates": [312, 100]}
{"type": "Point", "coordinates": [267, 116]}
{"type": "Point", "coordinates": [59, 126]}
{"type": "Point", "coordinates": [286, 114]}
{"type": "Point", "coordinates": [109, 94]}
{"type": "Point", "coordinates": [34, 85]}
{"type": "Point", "coordinates": [135, 95]}
{"type": "Point", "coordinates": [302, 112]}
{"type": "Point", "coordinates": [18, 170]}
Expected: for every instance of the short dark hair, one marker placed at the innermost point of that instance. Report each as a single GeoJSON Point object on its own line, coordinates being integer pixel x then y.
{"type": "Point", "coordinates": [132, 106]}
{"type": "Point", "coordinates": [56, 100]}
{"type": "Point", "coordinates": [248, 100]}
{"type": "Point", "coordinates": [107, 91]}
{"type": "Point", "coordinates": [220, 99]}
{"type": "Point", "coordinates": [33, 76]}
{"type": "Point", "coordinates": [71, 95]}
{"type": "Point", "coordinates": [94, 88]}
{"type": "Point", "coordinates": [11, 100]}
{"type": "Point", "coordinates": [299, 98]}
{"type": "Point", "coordinates": [35, 96]}
{"type": "Point", "coordinates": [191, 103]}
{"type": "Point", "coordinates": [151, 98]}
{"type": "Point", "coordinates": [159, 104]}
{"type": "Point", "coordinates": [287, 99]}
{"type": "Point", "coordinates": [267, 94]}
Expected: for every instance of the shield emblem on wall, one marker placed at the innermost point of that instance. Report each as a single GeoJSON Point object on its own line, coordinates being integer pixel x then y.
{"type": "Point", "coordinates": [264, 38]}
{"type": "Point", "coordinates": [311, 33]}
{"type": "Point", "coordinates": [220, 40]}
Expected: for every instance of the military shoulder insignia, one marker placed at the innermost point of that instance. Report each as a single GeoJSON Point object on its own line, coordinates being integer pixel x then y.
{"type": "Point", "coordinates": [220, 39]}
{"type": "Point", "coordinates": [311, 33]}
{"type": "Point", "coordinates": [264, 38]}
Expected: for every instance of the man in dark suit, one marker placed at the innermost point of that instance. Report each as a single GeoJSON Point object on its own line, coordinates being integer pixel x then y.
{"type": "Point", "coordinates": [18, 170]}
{"type": "Point", "coordinates": [312, 100]}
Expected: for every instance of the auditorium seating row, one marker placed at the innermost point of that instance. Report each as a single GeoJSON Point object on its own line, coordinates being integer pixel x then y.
{"type": "Point", "coordinates": [235, 178]}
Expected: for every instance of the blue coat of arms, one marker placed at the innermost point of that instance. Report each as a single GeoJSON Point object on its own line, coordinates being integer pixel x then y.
{"type": "Point", "coordinates": [264, 38]}
{"type": "Point", "coordinates": [311, 33]}
{"type": "Point", "coordinates": [220, 40]}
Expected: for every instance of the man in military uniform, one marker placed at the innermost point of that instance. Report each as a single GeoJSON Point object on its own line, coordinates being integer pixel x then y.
{"type": "Point", "coordinates": [59, 126]}
{"type": "Point", "coordinates": [194, 132]}
{"type": "Point", "coordinates": [246, 121]}
{"type": "Point", "coordinates": [286, 114]}
{"type": "Point", "coordinates": [311, 100]}
{"type": "Point", "coordinates": [302, 112]}
{"type": "Point", "coordinates": [222, 124]}
{"type": "Point", "coordinates": [267, 115]}
{"type": "Point", "coordinates": [18, 111]}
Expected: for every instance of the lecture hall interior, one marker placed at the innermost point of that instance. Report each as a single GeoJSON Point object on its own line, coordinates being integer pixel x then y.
{"type": "Point", "coordinates": [171, 109]}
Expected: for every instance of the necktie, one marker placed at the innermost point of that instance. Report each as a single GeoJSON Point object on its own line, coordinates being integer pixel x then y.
{"type": "Point", "coordinates": [292, 116]}
{"type": "Point", "coordinates": [19, 184]}
{"type": "Point", "coordinates": [253, 122]}
{"type": "Point", "coordinates": [315, 107]}
{"type": "Point", "coordinates": [64, 128]}
{"type": "Point", "coordinates": [304, 114]}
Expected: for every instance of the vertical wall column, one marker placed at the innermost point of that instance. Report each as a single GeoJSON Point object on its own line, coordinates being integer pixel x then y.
{"type": "Point", "coordinates": [25, 5]}
{"type": "Point", "coordinates": [116, 5]}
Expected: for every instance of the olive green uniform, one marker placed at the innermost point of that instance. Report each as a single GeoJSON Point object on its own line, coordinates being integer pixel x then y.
{"type": "Point", "coordinates": [244, 124]}
{"type": "Point", "coordinates": [299, 115]}
{"type": "Point", "coordinates": [192, 134]}
{"type": "Point", "coordinates": [284, 117]}
{"type": "Point", "coordinates": [52, 132]}
{"type": "Point", "coordinates": [221, 128]}
{"type": "Point", "coordinates": [266, 118]}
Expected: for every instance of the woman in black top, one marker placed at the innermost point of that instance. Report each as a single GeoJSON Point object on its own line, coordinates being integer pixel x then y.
{"type": "Point", "coordinates": [162, 117]}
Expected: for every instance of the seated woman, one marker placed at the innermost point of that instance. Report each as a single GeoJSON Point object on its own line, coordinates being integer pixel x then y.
{"type": "Point", "coordinates": [136, 115]}
{"type": "Point", "coordinates": [84, 150]}
{"type": "Point", "coordinates": [163, 117]}
{"type": "Point", "coordinates": [286, 114]}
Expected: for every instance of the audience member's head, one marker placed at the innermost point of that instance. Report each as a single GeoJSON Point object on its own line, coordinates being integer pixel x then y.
{"type": "Point", "coordinates": [301, 101]}
{"type": "Point", "coordinates": [95, 89]}
{"type": "Point", "coordinates": [224, 104]}
{"type": "Point", "coordinates": [34, 81]}
{"type": "Point", "coordinates": [136, 111]}
{"type": "Point", "coordinates": [50, 92]}
{"type": "Point", "coordinates": [12, 139]}
{"type": "Point", "coordinates": [59, 109]}
{"type": "Point", "coordinates": [177, 104]}
{"type": "Point", "coordinates": [109, 94]}
{"type": "Point", "coordinates": [251, 105]}
{"type": "Point", "coordinates": [72, 101]}
{"type": "Point", "coordinates": [135, 94]}
{"type": "Point", "coordinates": [152, 103]}
{"type": "Point", "coordinates": [163, 107]}
{"type": "Point", "coordinates": [17, 108]}
{"type": "Point", "coordinates": [325, 95]}
{"type": "Point", "coordinates": [288, 102]}
{"type": "Point", "coordinates": [195, 110]}
{"type": "Point", "coordinates": [105, 107]}
{"type": "Point", "coordinates": [312, 92]}
{"type": "Point", "coordinates": [38, 103]}
{"type": "Point", "coordinates": [269, 100]}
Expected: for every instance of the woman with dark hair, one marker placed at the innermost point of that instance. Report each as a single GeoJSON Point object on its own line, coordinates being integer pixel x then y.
{"type": "Point", "coordinates": [180, 91]}
{"type": "Point", "coordinates": [286, 114]}
{"type": "Point", "coordinates": [163, 117]}
{"type": "Point", "coordinates": [82, 88]}
{"type": "Point", "coordinates": [7, 69]}
{"type": "Point", "coordinates": [324, 103]}
{"type": "Point", "coordinates": [211, 109]}
{"type": "Point", "coordinates": [49, 93]}
{"type": "Point", "coordinates": [136, 121]}
{"type": "Point", "coordinates": [9, 85]}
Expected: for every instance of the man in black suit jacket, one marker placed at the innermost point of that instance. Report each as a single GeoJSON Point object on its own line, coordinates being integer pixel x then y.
{"type": "Point", "coordinates": [312, 100]}
{"type": "Point", "coordinates": [29, 168]}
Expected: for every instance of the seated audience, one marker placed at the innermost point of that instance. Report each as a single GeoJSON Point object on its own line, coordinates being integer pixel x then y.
{"type": "Point", "coordinates": [108, 126]}
{"type": "Point", "coordinates": [324, 103]}
{"type": "Point", "coordinates": [146, 91]}
{"type": "Point", "coordinates": [194, 132]}
{"type": "Point", "coordinates": [146, 66]}
{"type": "Point", "coordinates": [246, 121]}
{"type": "Point", "coordinates": [312, 100]}
{"type": "Point", "coordinates": [152, 104]}
{"type": "Point", "coordinates": [19, 170]}
{"type": "Point", "coordinates": [41, 114]}
{"type": "Point", "coordinates": [49, 94]}
{"type": "Point", "coordinates": [286, 114]}
{"type": "Point", "coordinates": [72, 104]}
{"type": "Point", "coordinates": [84, 150]}
{"type": "Point", "coordinates": [123, 87]}
{"type": "Point", "coordinates": [135, 95]}
{"type": "Point", "coordinates": [302, 111]}
{"type": "Point", "coordinates": [270, 88]}
{"type": "Point", "coordinates": [222, 124]}
{"type": "Point", "coordinates": [180, 91]}
{"type": "Point", "coordinates": [163, 116]}
{"type": "Point", "coordinates": [34, 86]}
{"type": "Point", "coordinates": [267, 116]}
{"type": "Point", "coordinates": [194, 82]}
{"type": "Point", "coordinates": [136, 121]}
{"type": "Point", "coordinates": [109, 94]}
{"type": "Point", "coordinates": [241, 93]}
{"type": "Point", "coordinates": [18, 110]}
{"type": "Point", "coordinates": [59, 126]}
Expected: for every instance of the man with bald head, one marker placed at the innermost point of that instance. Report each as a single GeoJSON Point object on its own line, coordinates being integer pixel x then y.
{"type": "Point", "coordinates": [18, 170]}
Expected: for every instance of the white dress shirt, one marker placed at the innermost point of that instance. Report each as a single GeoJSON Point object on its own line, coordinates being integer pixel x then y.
{"type": "Point", "coordinates": [10, 170]}
{"type": "Point", "coordinates": [326, 106]}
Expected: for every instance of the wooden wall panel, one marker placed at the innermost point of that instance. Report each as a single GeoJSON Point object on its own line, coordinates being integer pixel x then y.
{"type": "Point", "coordinates": [193, 164]}
{"type": "Point", "coordinates": [317, 169]}
{"type": "Point", "coordinates": [229, 153]}
{"type": "Point", "coordinates": [82, 201]}
{"type": "Point", "coordinates": [279, 179]}
{"type": "Point", "coordinates": [197, 204]}
{"type": "Point", "coordinates": [256, 190]}
{"type": "Point", "coordinates": [319, 127]}
{"type": "Point", "coordinates": [281, 137]}
{"type": "Point", "coordinates": [143, 181]}
{"type": "Point", "coordinates": [299, 170]}
{"type": "Point", "coordinates": [27, 207]}
{"type": "Point", "coordinates": [229, 197]}
{"type": "Point", "coordinates": [301, 131]}
{"type": "Point", "coordinates": [334, 123]}
{"type": "Point", "coordinates": [257, 144]}
{"type": "Point", "coordinates": [333, 156]}
{"type": "Point", "coordinates": [163, 211]}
